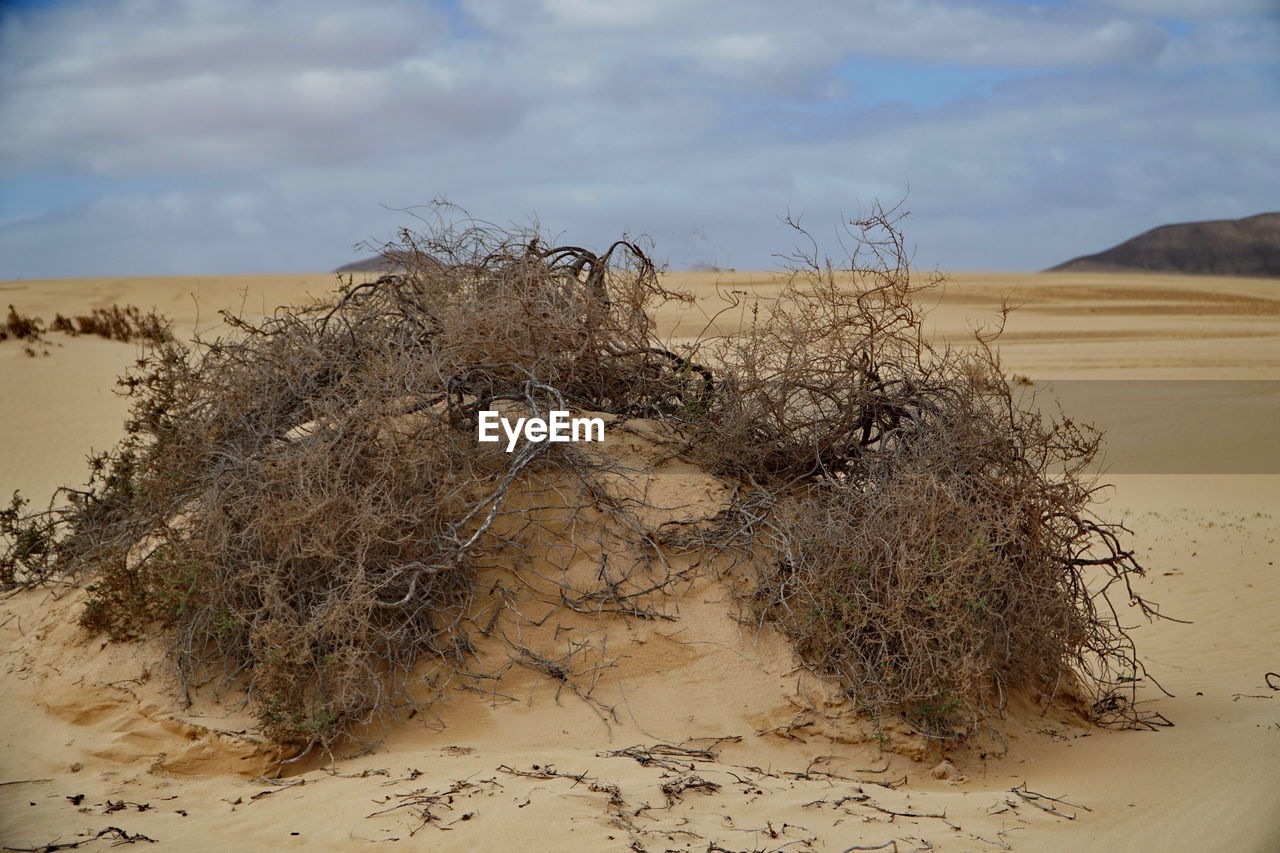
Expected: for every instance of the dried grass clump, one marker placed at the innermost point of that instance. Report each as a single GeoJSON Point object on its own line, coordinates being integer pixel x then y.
{"type": "Point", "coordinates": [115, 323]}
{"type": "Point", "coordinates": [22, 326]}
{"type": "Point", "coordinates": [304, 504]}
{"type": "Point", "coordinates": [128, 323]}
{"type": "Point", "coordinates": [25, 328]}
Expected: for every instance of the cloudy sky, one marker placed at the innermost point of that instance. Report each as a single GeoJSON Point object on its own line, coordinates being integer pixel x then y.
{"type": "Point", "coordinates": [220, 136]}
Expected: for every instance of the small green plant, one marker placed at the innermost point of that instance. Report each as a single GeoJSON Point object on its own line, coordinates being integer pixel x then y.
{"type": "Point", "coordinates": [32, 542]}
{"type": "Point", "coordinates": [939, 706]}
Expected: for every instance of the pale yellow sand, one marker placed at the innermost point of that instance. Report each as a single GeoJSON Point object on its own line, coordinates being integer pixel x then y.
{"type": "Point", "coordinates": [1212, 782]}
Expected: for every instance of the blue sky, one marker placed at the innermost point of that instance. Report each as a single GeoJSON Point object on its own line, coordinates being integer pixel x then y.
{"type": "Point", "coordinates": [221, 136]}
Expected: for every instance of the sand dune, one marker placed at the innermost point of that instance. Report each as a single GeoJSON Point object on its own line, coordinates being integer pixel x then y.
{"type": "Point", "coordinates": [717, 735]}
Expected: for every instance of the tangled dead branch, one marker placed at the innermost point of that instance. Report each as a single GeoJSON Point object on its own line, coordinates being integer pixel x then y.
{"type": "Point", "coordinates": [304, 505]}
{"type": "Point", "coordinates": [919, 536]}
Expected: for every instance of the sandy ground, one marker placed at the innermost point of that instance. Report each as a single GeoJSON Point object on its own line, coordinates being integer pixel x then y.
{"type": "Point", "coordinates": [1180, 369]}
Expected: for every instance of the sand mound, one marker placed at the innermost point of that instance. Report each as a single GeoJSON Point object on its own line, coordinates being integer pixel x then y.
{"type": "Point", "coordinates": [672, 724]}
{"type": "Point", "coordinates": [125, 699]}
{"type": "Point", "coordinates": [615, 695]}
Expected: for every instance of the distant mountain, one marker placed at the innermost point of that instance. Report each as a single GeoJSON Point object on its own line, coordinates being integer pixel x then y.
{"type": "Point", "coordinates": [1247, 247]}
{"type": "Point", "coordinates": [377, 263]}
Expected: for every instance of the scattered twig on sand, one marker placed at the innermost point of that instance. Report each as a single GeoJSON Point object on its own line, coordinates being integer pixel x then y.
{"type": "Point", "coordinates": [425, 802]}
{"type": "Point", "coordinates": [1034, 799]}
{"type": "Point", "coordinates": [888, 845]}
{"type": "Point", "coordinates": [117, 835]}
{"type": "Point", "coordinates": [674, 789]}
{"type": "Point", "coordinates": [894, 813]}
{"type": "Point", "coordinates": [673, 757]}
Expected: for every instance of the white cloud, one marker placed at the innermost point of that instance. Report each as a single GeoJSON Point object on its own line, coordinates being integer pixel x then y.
{"type": "Point", "coordinates": [607, 13]}
{"type": "Point", "coordinates": [276, 130]}
{"type": "Point", "coordinates": [740, 47]}
{"type": "Point", "coordinates": [229, 85]}
{"type": "Point", "coordinates": [1226, 42]}
{"type": "Point", "coordinates": [1195, 9]}
{"type": "Point", "coordinates": [824, 30]}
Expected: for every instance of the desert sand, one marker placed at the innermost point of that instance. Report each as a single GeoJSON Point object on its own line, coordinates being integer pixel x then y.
{"type": "Point", "coordinates": [94, 735]}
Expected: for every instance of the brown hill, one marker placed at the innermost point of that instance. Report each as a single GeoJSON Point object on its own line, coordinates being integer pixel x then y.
{"type": "Point", "coordinates": [1242, 247]}
{"type": "Point", "coordinates": [377, 263]}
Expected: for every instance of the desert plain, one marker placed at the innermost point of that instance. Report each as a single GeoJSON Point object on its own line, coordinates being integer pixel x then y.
{"type": "Point", "coordinates": [719, 740]}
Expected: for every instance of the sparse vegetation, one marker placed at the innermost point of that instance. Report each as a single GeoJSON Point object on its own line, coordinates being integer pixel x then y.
{"type": "Point", "coordinates": [304, 504]}
{"type": "Point", "coordinates": [128, 323]}
{"type": "Point", "coordinates": [118, 324]}
{"type": "Point", "coordinates": [29, 330]}
{"type": "Point", "coordinates": [22, 327]}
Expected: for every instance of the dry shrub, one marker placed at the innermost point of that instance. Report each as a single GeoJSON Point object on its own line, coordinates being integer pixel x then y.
{"type": "Point", "coordinates": [932, 576]}
{"type": "Point", "coordinates": [301, 503]}
{"type": "Point", "coordinates": [23, 327]}
{"type": "Point", "coordinates": [28, 329]}
{"type": "Point", "coordinates": [127, 323]}
{"type": "Point", "coordinates": [930, 543]}
{"type": "Point", "coordinates": [115, 323]}
{"type": "Point", "coordinates": [304, 503]}
{"type": "Point", "coordinates": [63, 324]}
